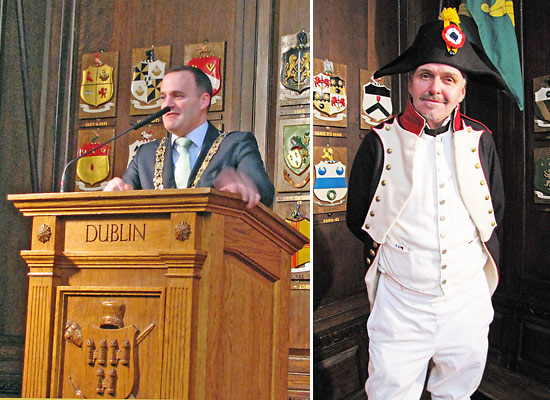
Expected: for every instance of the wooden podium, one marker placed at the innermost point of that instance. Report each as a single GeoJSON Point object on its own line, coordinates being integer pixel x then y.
{"type": "Point", "coordinates": [156, 294]}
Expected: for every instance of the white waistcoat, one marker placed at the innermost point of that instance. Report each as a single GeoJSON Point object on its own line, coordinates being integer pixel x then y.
{"type": "Point", "coordinates": [395, 188]}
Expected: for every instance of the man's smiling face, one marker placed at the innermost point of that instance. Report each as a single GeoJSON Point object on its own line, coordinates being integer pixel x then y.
{"type": "Point", "coordinates": [436, 90]}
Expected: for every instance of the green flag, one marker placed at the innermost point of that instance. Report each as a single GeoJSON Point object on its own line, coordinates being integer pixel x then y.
{"type": "Point", "coordinates": [494, 26]}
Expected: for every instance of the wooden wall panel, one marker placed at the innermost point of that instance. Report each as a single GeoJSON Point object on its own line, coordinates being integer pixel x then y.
{"type": "Point", "coordinates": [361, 36]}
{"type": "Point", "coordinates": [112, 25]}
{"type": "Point", "coordinates": [20, 45]}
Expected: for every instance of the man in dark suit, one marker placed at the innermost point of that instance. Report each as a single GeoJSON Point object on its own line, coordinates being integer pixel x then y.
{"type": "Point", "coordinates": [204, 158]}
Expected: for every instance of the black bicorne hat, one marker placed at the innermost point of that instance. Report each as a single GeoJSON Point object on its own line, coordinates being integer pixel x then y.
{"type": "Point", "coordinates": [430, 47]}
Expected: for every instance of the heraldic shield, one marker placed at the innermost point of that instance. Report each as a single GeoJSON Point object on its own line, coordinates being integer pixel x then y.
{"type": "Point", "coordinates": [542, 109]}
{"type": "Point", "coordinates": [109, 360]}
{"type": "Point", "coordinates": [211, 66]}
{"type": "Point", "coordinates": [94, 167]}
{"type": "Point", "coordinates": [295, 73]}
{"type": "Point", "coordinates": [146, 80]}
{"type": "Point", "coordinates": [296, 148]}
{"type": "Point", "coordinates": [97, 84]}
{"type": "Point", "coordinates": [376, 102]}
{"type": "Point", "coordinates": [329, 94]}
{"type": "Point", "coordinates": [542, 175]}
{"type": "Point", "coordinates": [330, 181]}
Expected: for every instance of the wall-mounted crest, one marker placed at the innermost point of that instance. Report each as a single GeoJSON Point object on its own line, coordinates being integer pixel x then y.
{"type": "Point", "coordinates": [376, 105]}
{"type": "Point", "coordinates": [541, 89]}
{"type": "Point", "coordinates": [148, 68]}
{"type": "Point", "coordinates": [330, 188]}
{"type": "Point", "coordinates": [295, 69]}
{"type": "Point", "coordinates": [293, 161]}
{"type": "Point", "coordinates": [209, 57]}
{"type": "Point", "coordinates": [93, 170]}
{"type": "Point", "coordinates": [329, 93]}
{"type": "Point", "coordinates": [98, 85]}
{"type": "Point", "coordinates": [541, 157]}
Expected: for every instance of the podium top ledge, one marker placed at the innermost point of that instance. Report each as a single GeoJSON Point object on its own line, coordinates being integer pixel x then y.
{"type": "Point", "coordinates": [154, 202]}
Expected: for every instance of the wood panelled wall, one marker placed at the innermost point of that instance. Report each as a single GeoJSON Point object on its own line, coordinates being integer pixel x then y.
{"type": "Point", "coordinates": [18, 113]}
{"type": "Point", "coordinates": [361, 35]}
{"type": "Point", "coordinates": [367, 35]}
{"type": "Point", "coordinates": [42, 43]}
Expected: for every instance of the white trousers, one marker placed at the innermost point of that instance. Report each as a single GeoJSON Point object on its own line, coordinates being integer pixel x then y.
{"type": "Point", "coordinates": [408, 329]}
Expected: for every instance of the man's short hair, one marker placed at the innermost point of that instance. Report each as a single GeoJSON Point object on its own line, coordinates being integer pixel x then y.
{"type": "Point", "coordinates": [201, 79]}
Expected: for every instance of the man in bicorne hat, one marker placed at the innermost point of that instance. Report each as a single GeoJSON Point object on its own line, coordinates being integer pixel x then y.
{"type": "Point", "coordinates": [425, 196]}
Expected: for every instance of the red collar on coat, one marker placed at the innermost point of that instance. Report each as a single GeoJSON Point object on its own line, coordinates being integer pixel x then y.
{"type": "Point", "coordinates": [412, 121]}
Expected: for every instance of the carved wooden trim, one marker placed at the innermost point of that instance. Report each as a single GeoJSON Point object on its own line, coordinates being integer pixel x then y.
{"type": "Point", "coordinates": [182, 231]}
{"type": "Point", "coordinates": [36, 370]}
{"type": "Point", "coordinates": [44, 233]}
{"type": "Point", "coordinates": [177, 333]}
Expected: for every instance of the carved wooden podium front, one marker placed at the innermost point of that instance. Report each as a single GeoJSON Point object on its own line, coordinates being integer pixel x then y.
{"type": "Point", "coordinates": [156, 294]}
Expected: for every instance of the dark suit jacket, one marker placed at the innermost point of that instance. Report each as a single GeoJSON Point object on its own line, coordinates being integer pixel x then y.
{"type": "Point", "coordinates": [238, 150]}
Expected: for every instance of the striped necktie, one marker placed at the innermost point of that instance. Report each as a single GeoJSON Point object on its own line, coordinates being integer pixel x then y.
{"type": "Point", "coordinates": [183, 167]}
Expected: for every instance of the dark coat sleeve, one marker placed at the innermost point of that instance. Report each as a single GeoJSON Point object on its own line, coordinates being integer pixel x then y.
{"type": "Point", "coordinates": [491, 167]}
{"type": "Point", "coordinates": [249, 162]}
{"type": "Point", "coordinates": [239, 150]}
{"type": "Point", "coordinates": [363, 181]}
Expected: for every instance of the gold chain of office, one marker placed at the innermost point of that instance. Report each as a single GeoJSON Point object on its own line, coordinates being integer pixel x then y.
{"type": "Point", "coordinates": [160, 156]}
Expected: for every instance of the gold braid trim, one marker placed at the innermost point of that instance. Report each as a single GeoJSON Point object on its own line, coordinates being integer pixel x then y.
{"type": "Point", "coordinates": [213, 149]}
{"type": "Point", "coordinates": [161, 153]}
{"type": "Point", "coordinates": [159, 165]}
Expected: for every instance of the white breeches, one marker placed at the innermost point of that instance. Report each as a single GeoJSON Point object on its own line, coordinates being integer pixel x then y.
{"type": "Point", "coordinates": [408, 329]}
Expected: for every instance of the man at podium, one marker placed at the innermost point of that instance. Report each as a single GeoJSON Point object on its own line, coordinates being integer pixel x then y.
{"type": "Point", "coordinates": [195, 153]}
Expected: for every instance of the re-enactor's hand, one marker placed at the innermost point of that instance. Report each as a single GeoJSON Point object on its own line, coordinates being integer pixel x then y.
{"type": "Point", "coordinates": [233, 181]}
{"type": "Point", "coordinates": [117, 185]}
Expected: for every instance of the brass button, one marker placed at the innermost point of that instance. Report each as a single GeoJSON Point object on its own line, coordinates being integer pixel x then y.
{"type": "Point", "coordinates": [443, 267]}
{"type": "Point", "coordinates": [387, 127]}
{"type": "Point", "coordinates": [469, 129]}
{"type": "Point", "coordinates": [389, 151]}
{"type": "Point", "coordinates": [368, 260]}
{"type": "Point", "coordinates": [374, 244]}
{"type": "Point", "coordinates": [478, 166]}
{"type": "Point", "coordinates": [444, 281]}
{"type": "Point", "coordinates": [473, 149]}
{"type": "Point", "coordinates": [441, 185]}
{"type": "Point", "coordinates": [444, 251]}
{"type": "Point", "coordinates": [372, 213]}
{"type": "Point", "coordinates": [443, 236]}
{"type": "Point", "coordinates": [372, 253]}
{"type": "Point", "coordinates": [388, 167]}
{"type": "Point", "coordinates": [482, 183]}
{"type": "Point", "coordinates": [367, 226]}
{"type": "Point", "coordinates": [377, 198]}
{"type": "Point", "coordinates": [487, 197]}
{"type": "Point", "coordinates": [490, 211]}
{"type": "Point", "coordinates": [493, 223]}
{"type": "Point", "coordinates": [383, 183]}
{"type": "Point", "coordinates": [442, 202]}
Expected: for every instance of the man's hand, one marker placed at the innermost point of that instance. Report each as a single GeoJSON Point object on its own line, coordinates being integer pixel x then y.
{"type": "Point", "coordinates": [233, 181]}
{"type": "Point", "coordinates": [116, 185]}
